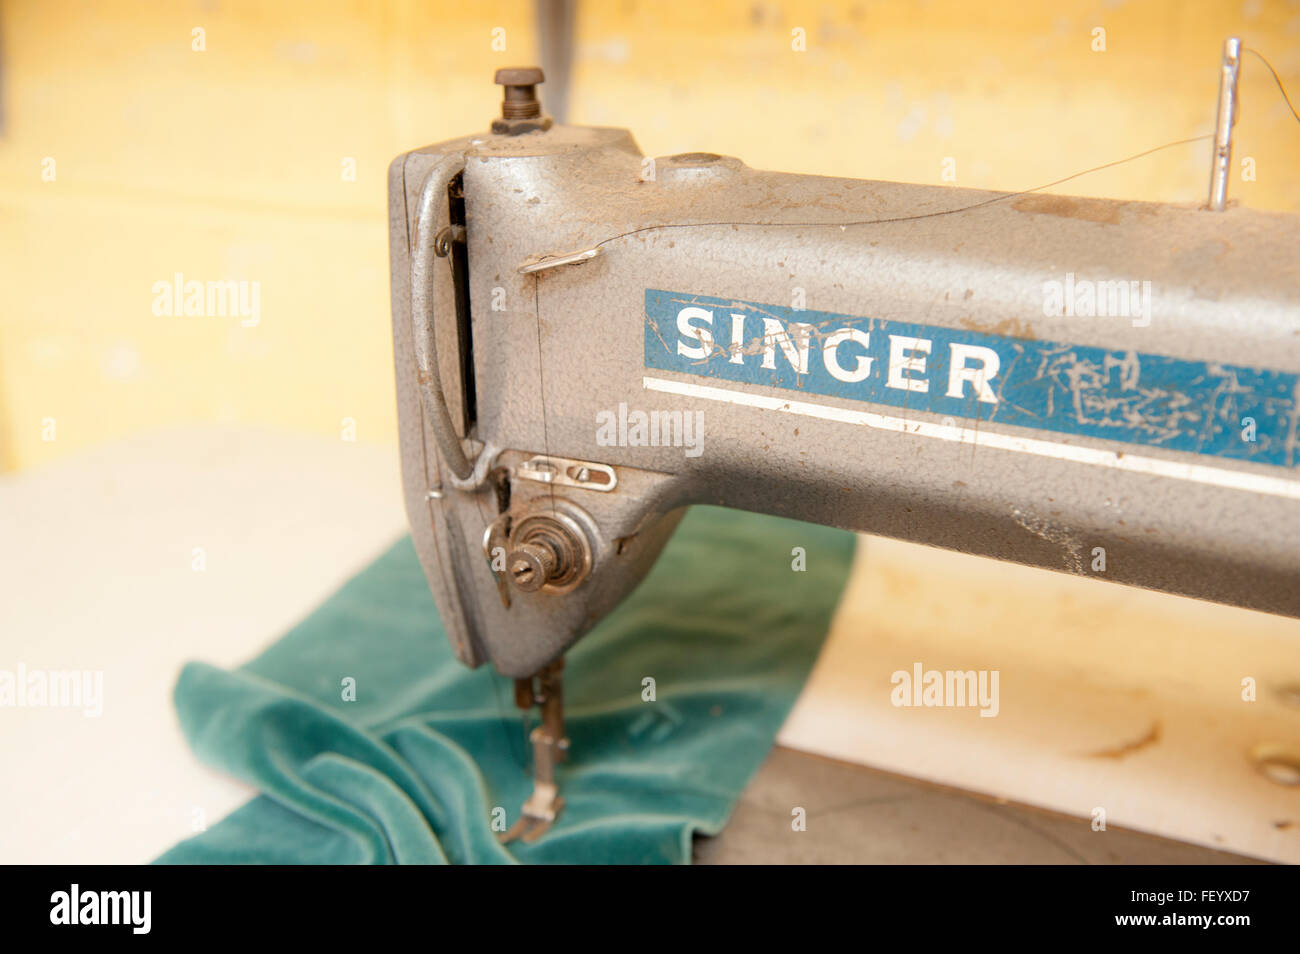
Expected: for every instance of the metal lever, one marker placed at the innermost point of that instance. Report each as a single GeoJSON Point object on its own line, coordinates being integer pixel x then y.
{"type": "Point", "coordinates": [550, 746]}
{"type": "Point", "coordinates": [433, 209]}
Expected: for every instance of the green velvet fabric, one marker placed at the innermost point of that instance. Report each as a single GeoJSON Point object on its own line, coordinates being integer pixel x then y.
{"type": "Point", "coordinates": [412, 770]}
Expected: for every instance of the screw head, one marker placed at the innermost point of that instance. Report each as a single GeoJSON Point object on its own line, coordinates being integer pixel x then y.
{"type": "Point", "coordinates": [531, 565]}
{"type": "Point", "coordinates": [519, 76]}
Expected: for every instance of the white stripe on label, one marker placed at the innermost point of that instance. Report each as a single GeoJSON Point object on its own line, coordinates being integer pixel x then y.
{"type": "Point", "coordinates": [1196, 473]}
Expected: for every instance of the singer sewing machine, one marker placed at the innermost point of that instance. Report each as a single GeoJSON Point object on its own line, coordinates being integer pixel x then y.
{"type": "Point", "coordinates": [588, 341]}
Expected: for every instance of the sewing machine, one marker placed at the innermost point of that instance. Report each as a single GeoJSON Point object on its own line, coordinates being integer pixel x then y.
{"type": "Point", "coordinates": [588, 341]}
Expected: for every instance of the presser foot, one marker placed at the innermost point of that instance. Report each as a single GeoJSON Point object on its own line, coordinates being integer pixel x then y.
{"type": "Point", "coordinates": [550, 746]}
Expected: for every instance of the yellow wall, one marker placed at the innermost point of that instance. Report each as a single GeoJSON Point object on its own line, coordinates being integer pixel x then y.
{"type": "Point", "coordinates": [227, 163]}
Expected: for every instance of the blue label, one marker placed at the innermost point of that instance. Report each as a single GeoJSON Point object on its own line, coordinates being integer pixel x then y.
{"type": "Point", "coordinates": [1196, 407]}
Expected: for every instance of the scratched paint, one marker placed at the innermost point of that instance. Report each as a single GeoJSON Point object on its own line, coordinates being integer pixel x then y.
{"type": "Point", "coordinates": [1195, 407]}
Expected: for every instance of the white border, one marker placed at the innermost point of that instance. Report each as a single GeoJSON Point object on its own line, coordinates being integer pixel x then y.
{"type": "Point", "coordinates": [1196, 473]}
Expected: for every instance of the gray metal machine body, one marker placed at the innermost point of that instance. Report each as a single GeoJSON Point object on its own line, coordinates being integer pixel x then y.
{"type": "Point", "coordinates": [505, 373]}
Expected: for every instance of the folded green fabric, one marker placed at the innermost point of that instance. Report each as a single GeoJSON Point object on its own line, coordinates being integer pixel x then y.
{"type": "Point", "coordinates": [412, 770]}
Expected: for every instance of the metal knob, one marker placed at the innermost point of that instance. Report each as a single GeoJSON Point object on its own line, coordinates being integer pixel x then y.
{"type": "Point", "coordinates": [532, 564]}
{"type": "Point", "coordinates": [520, 101]}
{"type": "Point", "coordinates": [548, 551]}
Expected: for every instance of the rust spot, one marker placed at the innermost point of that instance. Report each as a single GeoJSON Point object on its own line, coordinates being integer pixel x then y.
{"type": "Point", "coordinates": [1125, 749]}
{"type": "Point", "coordinates": [1008, 327]}
{"type": "Point", "coordinates": [1104, 211]}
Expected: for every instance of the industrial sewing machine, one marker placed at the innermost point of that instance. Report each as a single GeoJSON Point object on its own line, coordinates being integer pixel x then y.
{"type": "Point", "coordinates": [588, 341]}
